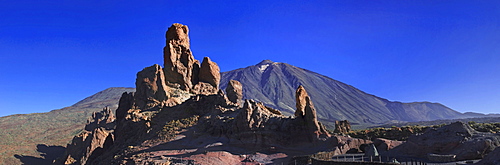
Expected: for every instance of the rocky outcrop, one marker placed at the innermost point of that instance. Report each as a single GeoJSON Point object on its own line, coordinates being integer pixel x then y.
{"type": "Point", "coordinates": [209, 72]}
{"type": "Point", "coordinates": [151, 89]}
{"type": "Point", "coordinates": [234, 91]}
{"type": "Point", "coordinates": [307, 113]}
{"type": "Point", "coordinates": [259, 126]}
{"type": "Point", "coordinates": [454, 139]}
{"type": "Point", "coordinates": [300, 102]}
{"type": "Point", "coordinates": [180, 106]}
{"type": "Point", "coordinates": [342, 127]}
{"type": "Point", "coordinates": [93, 141]}
{"type": "Point", "coordinates": [125, 103]}
{"type": "Point", "coordinates": [182, 70]}
{"type": "Point", "coordinates": [180, 66]}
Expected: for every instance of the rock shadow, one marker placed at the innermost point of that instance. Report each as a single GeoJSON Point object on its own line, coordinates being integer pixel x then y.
{"type": "Point", "coordinates": [47, 155]}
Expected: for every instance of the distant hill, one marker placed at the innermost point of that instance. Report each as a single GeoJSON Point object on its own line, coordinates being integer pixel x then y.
{"type": "Point", "coordinates": [21, 134]}
{"type": "Point", "coordinates": [443, 121]}
{"type": "Point", "coordinates": [274, 83]}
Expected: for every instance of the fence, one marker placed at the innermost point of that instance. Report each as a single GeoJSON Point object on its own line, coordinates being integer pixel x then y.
{"type": "Point", "coordinates": [361, 159]}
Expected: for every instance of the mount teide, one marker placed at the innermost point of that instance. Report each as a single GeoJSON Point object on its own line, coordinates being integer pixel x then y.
{"type": "Point", "coordinates": [274, 83]}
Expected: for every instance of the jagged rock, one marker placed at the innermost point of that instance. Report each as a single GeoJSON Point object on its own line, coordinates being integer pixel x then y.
{"type": "Point", "coordinates": [454, 139]}
{"type": "Point", "coordinates": [93, 141]}
{"type": "Point", "coordinates": [204, 88]}
{"type": "Point", "coordinates": [151, 89]}
{"type": "Point", "coordinates": [126, 102]}
{"type": "Point", "coordinates": [342, 127]}
{"type": "Point", "coordinates": [180, 66]}
{"type": "Point", "coordinates": [234, 91]}
{"type": "Point", "coordinates": [103, 118]}
{"type": "Point", "coordinates": [209, 72]}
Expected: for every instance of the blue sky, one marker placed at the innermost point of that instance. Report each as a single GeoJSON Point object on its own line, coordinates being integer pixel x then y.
{"type": "Point", "coordinates": [58, 52]}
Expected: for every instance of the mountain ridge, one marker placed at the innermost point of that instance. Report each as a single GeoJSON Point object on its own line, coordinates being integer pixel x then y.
{"type": "Point", "coordinates": [326, 91]}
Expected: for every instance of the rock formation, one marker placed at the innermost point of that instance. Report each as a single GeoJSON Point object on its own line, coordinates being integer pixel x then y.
{"type": "Point", "coordinates": [209, 72]}
{"type": "Point", "coordinates": [93, 141]}
{"type": "Point", "coordinates": [151, 89]}
{"type": "Point", "coordinates": [180, 108]}
{"type": "Point", "coordinates": [454, 139]}
{"type": "Point", "coordinates": [342, 127]}
{"type": "Point", "coordinates": [234, 91]}
{"type": "Point", "coordinates": [182, 70]}
{"type": "Point", "coordinates": [300, 102]}
{"type": "Point", "coordinates": [180, 66]}
{"type": "Point", "coordinates": [307, 112]}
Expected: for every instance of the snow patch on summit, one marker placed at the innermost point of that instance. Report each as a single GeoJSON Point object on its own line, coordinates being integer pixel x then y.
{"type": "Point", "coordinates": [262, 68]}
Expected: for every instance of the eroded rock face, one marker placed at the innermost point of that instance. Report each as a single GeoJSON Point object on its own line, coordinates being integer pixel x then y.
{"type": "Point", "coordinates": [182, 70]}
{"type": "Point", "coordinates": [126, 102]}
{"type": "Point", "coordinates": [454, 139]}
{"type": "Point", "coordinates": [209, 72]}
{"type": "Point", "coordinates": [180, 66]}
{"type": "Point", "coordinates": [342, 127]}
{"type": "Point", "coordinates": [151, 89]}
{"type": "Point", "coordinates": [300, 101]}
{"type": "Point", "coordinates": [234, 91]}
{"type": "Point", "coordinates": [256, 125]}
{"type": "Point", "coordinates": [307, 112]}
{"type": "Point", "coordinates": [93, 141]}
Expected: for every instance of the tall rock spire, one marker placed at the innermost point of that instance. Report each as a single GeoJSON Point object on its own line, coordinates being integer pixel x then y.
{"type": "Point", "coordinates": [180, 66]}
{"type": "Point", "coordinates": [306, 112]}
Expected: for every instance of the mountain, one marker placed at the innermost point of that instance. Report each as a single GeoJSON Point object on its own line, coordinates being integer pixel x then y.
{"type": "Point", "coordinates": [274, 83]}
{"type": "Point", "coordinates": [25, 137]}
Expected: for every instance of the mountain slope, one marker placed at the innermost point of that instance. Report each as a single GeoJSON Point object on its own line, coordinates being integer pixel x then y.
{"type": "Point", "coordinates": [20, 134]}
{"type": "Point", "coordinates": [273, 84]}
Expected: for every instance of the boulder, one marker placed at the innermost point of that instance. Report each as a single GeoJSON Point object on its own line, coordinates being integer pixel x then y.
{"type": "Point", "coordinates": [180, 66]}
{"type": "Point", "coordinates": [209, 72]}
{"type": "Point", "coordinates": [234, 91]}
{"type": "Point", "coordinates": [151, 89]}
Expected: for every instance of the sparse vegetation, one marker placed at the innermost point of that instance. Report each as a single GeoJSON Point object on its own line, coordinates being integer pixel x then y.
{"type": "Point", "coordinates": [173, 127]}
{"type": "Point", "coordinates": [394, 133]}
{"type": "Point", "coordinates": [485, 127]}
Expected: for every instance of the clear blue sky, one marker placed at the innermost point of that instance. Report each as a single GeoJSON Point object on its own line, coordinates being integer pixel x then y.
{"type": "Point", "coordinates": [55, 53]}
